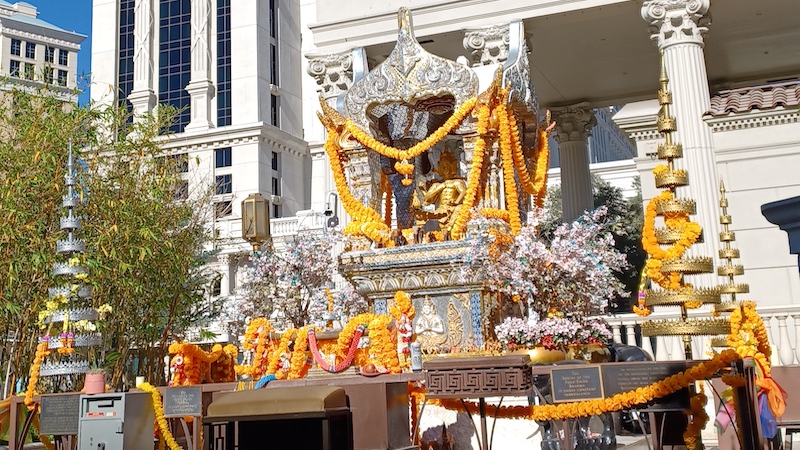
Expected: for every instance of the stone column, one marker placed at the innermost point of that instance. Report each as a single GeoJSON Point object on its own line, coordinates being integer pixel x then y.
{"type": "Point", "coordinates": [200, 87]}
{"type": "Point", "coordinates": [678, 27]}
{"type": "Point", "coordinates": [488, 45]}
{"type": "Point", "coordinates": [336, 72]}
{"type": "Point", "coordinates": [143, 97]}
{"type": "Point", "coordinates": [573, 124]}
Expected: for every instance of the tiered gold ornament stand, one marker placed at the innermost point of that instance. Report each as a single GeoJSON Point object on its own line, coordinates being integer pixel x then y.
{"type": "Point", "coordinates": [728, 270]}
{"type": "Point", "coordinates": [685, 295]}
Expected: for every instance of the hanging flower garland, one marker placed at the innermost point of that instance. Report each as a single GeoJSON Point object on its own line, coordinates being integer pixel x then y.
{"type": "Point", "coordinates": [699, 418]}
{"type": "Point", "coordinates": [386, 188]}
{"type": "Point", "coordinates": [512, 201]}
{"type": "Point", "coordinates": [617, 402]}
{"type": "Point", "coordinates": [158, 408]}
{"type": "Point", "coordinates": [41, 353]}
{"type": "Point", "coordinates": [426, 144]}
{"type": "Point", "coordinates": [474, 179]}
{"type": "Point", "coordinates": [222, 370]}
{"type": "Point", "coordinates": [690, 232]}
{"type": "Point", "coordinates": [276, 357]}
{"type": "Point", "coordinates": [345, 362]}
{"type": "Point", "coordinates": [381, 345]}
{"type": "Point", "coordinates": [366, 220]}
{"type": "Point", "coordinates": [299, 363]}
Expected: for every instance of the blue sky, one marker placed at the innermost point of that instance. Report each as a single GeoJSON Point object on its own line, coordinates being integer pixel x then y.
{"type": "Point", "coordinates": [71, 15]}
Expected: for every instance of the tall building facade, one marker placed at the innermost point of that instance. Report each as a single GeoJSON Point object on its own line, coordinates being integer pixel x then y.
{"type": "Point", "coordinates": [36, 53]}
{"type": "Point", "coordinates": [231, 69]}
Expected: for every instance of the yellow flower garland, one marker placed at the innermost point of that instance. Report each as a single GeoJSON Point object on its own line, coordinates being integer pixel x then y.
{"type": "Point", "coordinates": [41, 352]}
{"type": "Point", "coordinates": [624, 400]}
{"type": "Point", "coordinates": [158, 408]}
{"type": "Point", "coordinates": [473, 183]}
{"type": "Point", "coordinates": [275, 356]}
{"type": "Point", "coordinates": [690, 232]}
{"type": "Point", "coordinates": [366, 220]}
{"type": "Point", "coordinates": [699, 418]}
{"type": "Point", "coordinates": [368, 141]}
{"type": "Point", "coordinates": [512, 201]}
{"type": "Point", "coordinates": [382, 345]}
{"type": "Point", "coordinates": [300, 362]}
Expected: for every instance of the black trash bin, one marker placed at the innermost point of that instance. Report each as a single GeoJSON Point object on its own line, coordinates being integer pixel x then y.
{"type": "Point", "coordinates": [311, 417]}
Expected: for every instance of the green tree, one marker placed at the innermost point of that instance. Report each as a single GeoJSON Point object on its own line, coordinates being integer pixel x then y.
{"type": "Point", "coordinates": [146, 236]}
{"type": "Point", "coordinates": [626, 216]}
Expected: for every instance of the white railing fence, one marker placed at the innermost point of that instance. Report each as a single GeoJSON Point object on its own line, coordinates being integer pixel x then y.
{"type": "Point", "coordinates": [782, 323]}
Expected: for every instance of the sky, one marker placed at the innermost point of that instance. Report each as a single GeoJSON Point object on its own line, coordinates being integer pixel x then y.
{"type": "Point", "coordinates": [71, 15]}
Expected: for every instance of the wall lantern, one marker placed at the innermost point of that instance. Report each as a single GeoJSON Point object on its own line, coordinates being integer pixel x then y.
{"type": "Point", "coordinates": [255, 220]}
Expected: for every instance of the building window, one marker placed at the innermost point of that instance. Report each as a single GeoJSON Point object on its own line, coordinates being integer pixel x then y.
{"type": "Point", "coordinates": [224, 110]}
{"type": "Point", "coordinates": [216, 287]}
{"type": "Point", "coordinates": [274, 160]}
{"type": "Point", "coordinates": [13, 68]}
{"type": "Point", "coordinates": [29, 71]}
{"type": "Point", "coordinates": [223, 209]}
{"type": "Point", "coordinates": [16, 47]}
{"type": "Point", "coordinates": [125, 75]}
{"type": "Point", "coordinates": [276, 211]}
{"type": "Point", "coordinates": [174, 67]}
{"type": "Point", "coordinates": [273, 64]}
{"type": "Point", "coordinates": [181, 162]}
{"type": "Point", "coordinates": [49, 54]}
{"type": "Point", "coordinates": [30, 50]}
{"type": "Point", "coordinates": [273, 19]}
{"type": "Point", "coordinates": [63, 57]}
{"type": "Point", "coordinates": [48, 75]}
{"type": "Point", "coordinates": [274, 110]}
{"type": "Point", "coordinates": [181, 190]}
{"type": "Point", "coordinates": [62, 77]}
{"type": "Point", "coordinates": [224, 184]}
{"type": "Point", "coordinates": [222, 157]}
{"type": "Point", "coordinates": [276, 186]}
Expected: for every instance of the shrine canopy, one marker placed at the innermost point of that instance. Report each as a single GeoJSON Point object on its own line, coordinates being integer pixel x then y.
{"type": "Point", "coordinates": [420, 143]}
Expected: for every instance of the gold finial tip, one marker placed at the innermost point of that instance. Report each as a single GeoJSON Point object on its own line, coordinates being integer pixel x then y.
{"type": "Point", "coordinates": [663, 76]}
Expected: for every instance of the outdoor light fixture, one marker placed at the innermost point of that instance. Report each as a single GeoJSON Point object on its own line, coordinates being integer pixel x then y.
{"type": "Point", "coordinates": [255, 220]}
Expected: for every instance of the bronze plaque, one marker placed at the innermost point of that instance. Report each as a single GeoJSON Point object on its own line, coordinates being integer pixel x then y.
{"type": "Point", "coordinates": [183, 402]}
{"type": "Point", "coordinates": [624, 377]}
{"type": "Point", "coordinates": [60, 414]}
{"type": "Point", "coordinates": [576, 384]}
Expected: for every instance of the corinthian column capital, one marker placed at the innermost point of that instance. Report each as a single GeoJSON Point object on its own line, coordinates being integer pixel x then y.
{"type": "Point", "coordinates": [573, 123]}
{"type": "Point", "coordinates": [677, 21]}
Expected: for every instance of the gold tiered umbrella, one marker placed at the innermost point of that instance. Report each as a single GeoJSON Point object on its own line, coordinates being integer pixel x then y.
{"type": "Point", "coordinates": [668, 267]}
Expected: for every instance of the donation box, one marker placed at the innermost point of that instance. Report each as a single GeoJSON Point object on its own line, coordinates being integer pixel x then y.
{"type": "Point", "coordinates": [116, 421]}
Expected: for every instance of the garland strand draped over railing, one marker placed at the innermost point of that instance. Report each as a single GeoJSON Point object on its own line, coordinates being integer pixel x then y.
{"type": "Point", "coordinates": [748, 339]}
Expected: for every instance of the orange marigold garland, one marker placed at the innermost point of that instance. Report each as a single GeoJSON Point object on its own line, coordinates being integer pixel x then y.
{"type": "Point", "coordinates": [366, 220]}
{"type": "Point", "coordinates": [474, 179]}
{"type": "Point", "coordinates": [617, 402]}
{"type": "Point", "coordinates": [422, 146]}
{"type": "Point", "coordinates": [383, 349]}
{"type": "Point", "coordinates": [300, 362]}
{"type": "Point", "coordinates": [158, 409]}
{"type": "Point", "coordinates": [41, 352]}
{"type": "Point", "coordinates": [699, 418]}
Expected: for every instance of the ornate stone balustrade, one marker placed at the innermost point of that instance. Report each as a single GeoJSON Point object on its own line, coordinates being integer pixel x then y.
{"type": "Point", "coordinates": [782, 322]}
